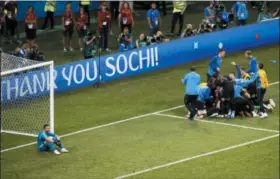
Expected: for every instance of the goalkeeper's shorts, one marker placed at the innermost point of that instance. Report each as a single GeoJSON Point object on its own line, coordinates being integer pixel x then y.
{"type": "Point", "coordinates": [44, 148]}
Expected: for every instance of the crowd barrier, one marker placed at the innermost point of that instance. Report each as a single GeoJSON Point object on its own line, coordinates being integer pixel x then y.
{"type": "Point", "coordinates": [40, 5]}
{"type": "Point", "coordinates": [115, 66]}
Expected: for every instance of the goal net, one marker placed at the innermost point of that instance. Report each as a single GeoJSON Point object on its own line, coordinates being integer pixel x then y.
{"type": "Point", "coordinates": [27, 95]}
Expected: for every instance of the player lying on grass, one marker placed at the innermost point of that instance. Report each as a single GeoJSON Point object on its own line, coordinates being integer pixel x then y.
{"type": "Point", "coordinates": [47, 141]}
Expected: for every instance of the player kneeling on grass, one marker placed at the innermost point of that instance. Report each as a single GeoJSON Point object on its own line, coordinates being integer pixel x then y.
{"type": "Point", "coordinates": [47, 141]}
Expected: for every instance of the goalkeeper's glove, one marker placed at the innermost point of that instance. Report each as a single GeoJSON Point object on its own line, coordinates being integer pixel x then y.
{"type": "Point", "coordinates": [233, 63]}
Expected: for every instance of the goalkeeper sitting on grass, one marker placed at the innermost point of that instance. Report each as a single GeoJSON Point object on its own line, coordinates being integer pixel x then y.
{"type": "Point", "coordinates": [48, 141]}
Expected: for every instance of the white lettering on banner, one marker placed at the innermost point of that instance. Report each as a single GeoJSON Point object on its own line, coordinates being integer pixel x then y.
{"type": "Point", "coordinates": [110, 66]}
{"type": "Point", "coordinates": [152, 57]}
{"type": "Point", "coordinates": [141, 59]}
{"type": "Point", "coordinates": [54, 78]}
{"type": "Point", "coordinates": [130, 62]}
{"type": "Point", "coordinates": [79, 73]}
{"type": "Point", "coordinates": [9, 89]}
{"type": "Point", "coordinates": [156, 55]}
{"type": "Point", "coordinates": [136, 60]}
{"type": "Point", "coordinates": [88, 69]}
{"type": "Point", "coordinates": [119, 66]}
{"type": "Point", "coordinates": [41, 82]}
{"type": "Point", "coordinates": [67, 77]}
{"type": "Point", "coordinates": [25, 87]}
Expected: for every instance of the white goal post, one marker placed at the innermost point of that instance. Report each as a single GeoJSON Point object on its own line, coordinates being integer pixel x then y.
{"type": "Point", "coordinates": [27, 95]}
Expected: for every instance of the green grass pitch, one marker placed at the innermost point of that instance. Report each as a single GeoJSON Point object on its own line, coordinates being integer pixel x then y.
{"type": "Point", "coordinates": [133, 148]}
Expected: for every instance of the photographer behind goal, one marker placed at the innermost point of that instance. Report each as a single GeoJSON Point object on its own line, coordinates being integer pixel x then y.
{"type": "Point", "coordinates": [157, 39]}
{"type": "Point", "coordinates": [91, 44]}
{"type": "Point", "coordinates": [125, 40]}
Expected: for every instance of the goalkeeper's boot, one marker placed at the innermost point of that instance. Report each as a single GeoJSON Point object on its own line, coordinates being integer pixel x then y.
{"type": "Point", "coordinates": [56, 152]}
{"type": "Point", "coordinates": [64, 150]}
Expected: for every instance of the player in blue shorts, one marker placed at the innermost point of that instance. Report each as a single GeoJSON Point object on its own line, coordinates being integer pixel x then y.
{"type": "Point", "coordinates": [47, 140]}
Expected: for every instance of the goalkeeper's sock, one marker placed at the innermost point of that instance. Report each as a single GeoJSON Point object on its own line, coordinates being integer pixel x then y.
{"type": "Point", "coordinates": [59, 145]}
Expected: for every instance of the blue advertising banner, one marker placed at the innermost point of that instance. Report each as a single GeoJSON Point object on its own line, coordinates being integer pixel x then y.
{"type": "Point", "coordinates": [40, 5]}
{"type": "Point", "coordinates": [115, 66]}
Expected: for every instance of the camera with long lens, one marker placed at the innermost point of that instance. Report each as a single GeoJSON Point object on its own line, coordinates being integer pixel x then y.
{"type": "Point", "coordinates": [91, 35]}
{"type": "Point", "coordinates": [155, 39]}
{"type": "Point", "coordinates": [189, 32]}
{"type": "Point", "coordinates": [160, 38]}
{"type": "Point", "coordinates": [207, 26]}
{"type": "Point", "coordinates": [124, 40]}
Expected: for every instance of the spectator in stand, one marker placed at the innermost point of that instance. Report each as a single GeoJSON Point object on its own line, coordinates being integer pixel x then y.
{"type": "Point", "coordinates": [85, 4]}
{"type": "Point", "coordinates": [265, 15]}
{"type": "Point", "coordinates": [104, 20]}
{"type": "Point", "coordinates": [121, 5]}
{"type": "Point", "coordinates": [30, 26]}
{"type": "Point", "coordinates": [210, 12]}
{"type": "Point", "coordinates": [10, 11]}
{"type": "Point", "coordinates": [154, 20]}
{"type": "Point", "coordinates": [142, 41]}
{"type": "Point", "coordinates": [81, 26]}
{"type": "Point", "coordinates": [125, 17]}
{"type": "Point", "coordinates": [125, 40]}
{"type": "Point", "coordinates": [68, 27]}
{"type": "Point", "coordinates": [242, 13]}
{"type": "Point", "coordinates": [35, 54]}
{"type": "Point", "coordinates": [179, 8]}
{"type": "Point", "coordinates": [49, 9]}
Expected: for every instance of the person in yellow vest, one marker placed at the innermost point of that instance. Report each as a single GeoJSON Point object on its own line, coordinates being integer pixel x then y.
{"type": "Point", "coordinates": [85, 4]}
{"type": "Point", "coordinates": [262, 85]}
{"type": "Point", "coordinates": [179, 8]}
{"type": "Point", "coordinates": [49, 9]}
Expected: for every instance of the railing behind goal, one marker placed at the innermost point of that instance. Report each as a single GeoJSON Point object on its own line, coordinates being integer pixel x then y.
{"type": "Point", "coordinates": [27, 95]}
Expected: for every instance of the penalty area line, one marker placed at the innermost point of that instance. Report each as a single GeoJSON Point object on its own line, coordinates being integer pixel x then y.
{"type": "Point", "coordinates": [195, 157]}
{"type": "Point", "coordinates": [219, 123]}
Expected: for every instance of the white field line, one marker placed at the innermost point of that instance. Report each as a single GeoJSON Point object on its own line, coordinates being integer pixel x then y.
{"type": "Point", "coordinates": [220, 123]}
{"type": "Point", "coordinates": [195, 157]}
{"type": "Point", "coordinates": [105, 125]}
{"type": "Point", "coordinates": [97, 127]}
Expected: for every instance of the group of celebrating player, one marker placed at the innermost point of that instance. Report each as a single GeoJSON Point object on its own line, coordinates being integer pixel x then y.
{"type": "Point", "coordinates": [227, 96]}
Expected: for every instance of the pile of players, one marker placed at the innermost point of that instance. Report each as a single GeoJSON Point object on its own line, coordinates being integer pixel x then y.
{"type": "Point", "coordinates": [230, 95]}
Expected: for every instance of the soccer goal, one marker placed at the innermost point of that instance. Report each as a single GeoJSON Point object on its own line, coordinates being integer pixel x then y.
{"type": "Point", "coordinates": [27, 95]}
